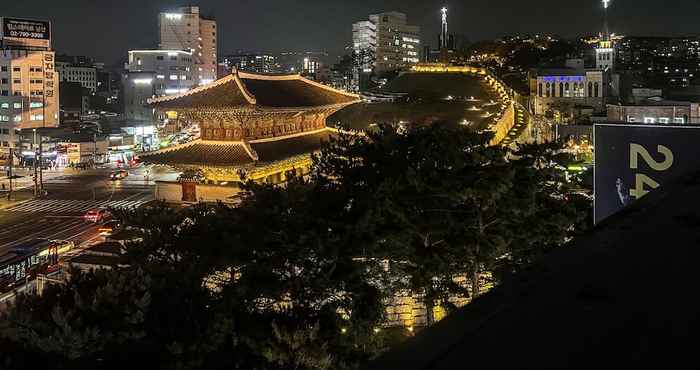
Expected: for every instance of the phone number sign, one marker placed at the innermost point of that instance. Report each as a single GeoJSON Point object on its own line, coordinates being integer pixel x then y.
{"type": "Point", "coordinates": [633, 160]}
{"type": "Point", "coordinates": [17, 28]}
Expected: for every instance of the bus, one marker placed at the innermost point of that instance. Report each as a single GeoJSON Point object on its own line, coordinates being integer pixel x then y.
{"type": "Point", "coordinates": [38, 255]}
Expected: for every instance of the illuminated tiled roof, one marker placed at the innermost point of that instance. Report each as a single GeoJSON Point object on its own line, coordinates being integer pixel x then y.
{"type": "Point", "coordinates": [240, 90]}
{"type": "Point", "coordinates": [201, 153]}
{"type": "Point", "coordinates": [235, 154]}
{"type": "Point", "coordinates": [271, 151]}
{"type": "Point", "coordinates": [292, 91]}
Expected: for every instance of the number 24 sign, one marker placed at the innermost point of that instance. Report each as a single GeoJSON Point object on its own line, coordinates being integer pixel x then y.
{"type": "Point", "coordinates": [642, 180]}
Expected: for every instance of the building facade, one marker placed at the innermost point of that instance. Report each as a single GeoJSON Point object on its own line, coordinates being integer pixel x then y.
{"type": "Point", "coordinates": [186, 29]}
{"type": "Point", "coordinates": [566, 89]}
{"type": "Point", "coordinates": [656, 111]}
{"type": "Point", "coordinates": [29, 93]}
{"type": "Point", "coordinates": [152, 73]}
{"type": "Point", "coordinates": [386, 42]}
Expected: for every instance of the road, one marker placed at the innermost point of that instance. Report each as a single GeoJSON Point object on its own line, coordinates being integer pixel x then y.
{"type": "Point", "coordinates": [70, 194]}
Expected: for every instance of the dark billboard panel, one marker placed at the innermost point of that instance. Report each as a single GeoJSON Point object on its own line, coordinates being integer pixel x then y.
{"type": "Point", "coordinates": [26, 32]}
{"type": "Point", "coordinates": [632, 160]}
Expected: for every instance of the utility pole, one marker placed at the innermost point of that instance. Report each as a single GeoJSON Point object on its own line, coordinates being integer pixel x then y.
{"type": "Point", "coordinates": [94, 150]}
{"type": "Point", "coordinates": [9, 195]}
{"type": "Point", "coordinates": [41, 164]}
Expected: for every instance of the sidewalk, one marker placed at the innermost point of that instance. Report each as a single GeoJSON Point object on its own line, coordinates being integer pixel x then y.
{"type": "Point", "coordinates": [18, 197]}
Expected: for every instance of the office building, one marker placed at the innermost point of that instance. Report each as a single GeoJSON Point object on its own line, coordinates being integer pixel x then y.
{"type": "Point", "coordinates": [28, 81]}
{"type": "Point", "coordinates": [152, 73]}
{"type": "Point", "coordinates": [187, 29]}
{"type": "Point", "coordinates": [386, 42]}
{"type": "Point", "coordinates": [77, 69]}
{"type": "Point", "coordinates": [298, 61]}
{"type": "Point", "coordinates": [252, 62]}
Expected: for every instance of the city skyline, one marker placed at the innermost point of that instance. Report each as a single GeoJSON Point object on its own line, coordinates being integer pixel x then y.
{"type": "Point", "coordinates": [275, 25]}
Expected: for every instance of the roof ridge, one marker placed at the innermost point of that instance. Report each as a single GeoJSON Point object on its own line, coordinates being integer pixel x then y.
{"type": "Point", "coordinates": [294, 77]}
{"type": "Point", "coordinates": [231, 77]}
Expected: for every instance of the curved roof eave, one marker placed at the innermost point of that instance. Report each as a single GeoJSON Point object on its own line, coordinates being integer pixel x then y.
{"type": "Point", "coordinates": [232, 77]}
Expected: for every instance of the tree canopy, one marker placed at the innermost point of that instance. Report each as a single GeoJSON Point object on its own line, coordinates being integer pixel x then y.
{"type": "Point", "coordinates": [297, 276]}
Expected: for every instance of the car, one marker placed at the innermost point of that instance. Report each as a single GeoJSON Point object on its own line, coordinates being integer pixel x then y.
{"type": "Point", "coordinates": [118, 175]}
{"type": "Point", "coordinates": [108, 228]}
{"type": "Point", "coordinates": [97, 216]}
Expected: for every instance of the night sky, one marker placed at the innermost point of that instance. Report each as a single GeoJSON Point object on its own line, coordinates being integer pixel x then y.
{"type": "Point", "coordinates": [106, 29]}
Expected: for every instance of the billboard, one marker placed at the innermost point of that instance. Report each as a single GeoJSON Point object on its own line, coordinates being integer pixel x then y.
{"type": "Point", "coordinates": [25, 32]}
{"type": "Point", "coordinates": [632, 160]}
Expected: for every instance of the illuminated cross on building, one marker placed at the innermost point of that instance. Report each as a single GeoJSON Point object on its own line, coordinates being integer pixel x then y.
{"type": "Point", "coordinates": [606, 3]}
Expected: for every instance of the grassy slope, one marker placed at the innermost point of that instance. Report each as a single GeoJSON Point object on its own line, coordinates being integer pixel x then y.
{"type": "Point", "coordinates": [430, 88]}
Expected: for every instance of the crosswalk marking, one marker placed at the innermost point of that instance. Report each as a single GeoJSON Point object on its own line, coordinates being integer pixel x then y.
{"type": "Point", "coordinates": [57, 206]}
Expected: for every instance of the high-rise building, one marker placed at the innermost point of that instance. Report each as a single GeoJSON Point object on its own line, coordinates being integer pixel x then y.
{"type": "Point", "coordinates": [386, 43]}
{"type": "Point", "coordinates": [152, 73]}
{"type": "Point", "coordinates": [28, 82]}
{"type": "Point", "coordinates": [187, 29]}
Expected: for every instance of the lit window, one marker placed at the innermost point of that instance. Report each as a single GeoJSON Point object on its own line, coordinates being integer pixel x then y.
{"type": "Point", "coordinates": [4, 118]}
{"type": "Point", "coordinates": [18, 118]}
{"type": "Point", "coordinates": [173, 77]}
{"type": "Point", "coordinates": [5, 105]}
{"type": "Point", "coordinates": [678, 120]}
{"type": "Point", "coordinates": [37, 117]}
{"type": "Point", "coordinates": [36, 104]}
{"type": "Point", "coordinates": [160, 77]}
{"type": "Point", "coordinates": [649, 120]}
{"type": "Point", "coordinates": [663, 120]}
{"type": "Point", "coordinates": [17, 105]}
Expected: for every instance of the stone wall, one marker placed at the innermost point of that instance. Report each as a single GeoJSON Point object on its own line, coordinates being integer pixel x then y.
{"type": "Point", "coordinates": [171, 192]}
{"type": "Point", "coordinates": [504, 125]}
